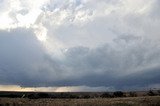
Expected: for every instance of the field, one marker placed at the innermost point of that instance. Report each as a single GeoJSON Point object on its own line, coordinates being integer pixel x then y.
{"type": "Point", "coordinates": [126, 101]}
{"type": "Point", "coordinates": [118, 98]}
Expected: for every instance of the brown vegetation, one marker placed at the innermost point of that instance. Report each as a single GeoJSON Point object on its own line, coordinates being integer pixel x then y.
{"type": "Point", "coordinates": [127, 101]}
{"type": "Point", "coordinates": [118, 98]}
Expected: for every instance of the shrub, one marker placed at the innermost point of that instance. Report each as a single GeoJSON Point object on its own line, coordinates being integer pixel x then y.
{"type": "Point", "coordinates": [118, 94]}
{"type": "Point", "coordinates": [86, 96]}
{"type": "Point", "coordinates": [13, 96]}
{"type": "Point", "coordinates": [66, 95]}
{"type": "Point", "coordinates": [106, 95]}
{"type": "Point", "coordinates": [151, 93]}
{"type": "Point", "coordinates": [132, 94]}
{"type": "Point", "coordinates": [43, 95]}
{"type": "Point", "coordinates": [158, 92]}
{"type": "Point", "coordinates": [63, 95]}
{"type": "Point", "coordinates": [32, 96]}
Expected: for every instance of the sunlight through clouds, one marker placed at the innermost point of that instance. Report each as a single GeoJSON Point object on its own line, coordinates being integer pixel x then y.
{"type": "Point", "coordinates": [54, 89]}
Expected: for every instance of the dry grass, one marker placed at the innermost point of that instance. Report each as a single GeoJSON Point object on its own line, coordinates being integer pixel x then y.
{"type": "Point", "coordinates": [129, 101]}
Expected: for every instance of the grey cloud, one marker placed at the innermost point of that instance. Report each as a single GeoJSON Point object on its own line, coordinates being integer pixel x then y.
{"type": "Point", "coordinates": [154, 10]}
{"type": "Point", "coordinates": [24, 11]}
{"type": "Point", "coordinates": [132, 64]}
{"type": "Point", "coordinates": [19, 51]}
{"type": "Point", "coordinates": [119, 48]}
{"type": "Point", "coordinates": [23, 61]}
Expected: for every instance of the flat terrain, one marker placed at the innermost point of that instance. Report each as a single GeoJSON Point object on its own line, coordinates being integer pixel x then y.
{"type": "Point", "coordinates": [123, 101]}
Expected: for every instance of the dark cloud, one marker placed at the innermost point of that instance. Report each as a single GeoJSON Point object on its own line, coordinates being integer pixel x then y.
{"type": "Point", "coordinates": [23, 61]}
{"type": "Point", "coordinates": [19, 51]}
{"type": "Point", "coordinates": [132, 64]}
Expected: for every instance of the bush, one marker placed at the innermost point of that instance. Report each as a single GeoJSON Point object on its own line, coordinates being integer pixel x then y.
{"type": "Point", "coordinates": [13, 96]}
{"type": "Point", "coordinates": [63, 95]}
{"type": "Point", "coordinates": [106, 95]}
{"type": "Point", "coordinates": [151, 93]}
{"type": "Point", "coordinates": [132, 94]}
{"type": "Point", "coordinates": [118, 94]}
{"type": "Point", "coordinates": [73, 96]}
{"type": "Point", "coordinates": [158, 92]}
{"type": "Point", "coordinates": [43, 95]}
{"type": "Point", "coordinates": [32, 96]}
{"type": "Point", "coordinates": [86, 96]}
{"type": "Point", "coordinates": [66, 95]}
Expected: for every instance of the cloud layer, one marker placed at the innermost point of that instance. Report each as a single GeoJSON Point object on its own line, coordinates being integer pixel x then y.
{"type": "Point", "coordinates": [112, 43]}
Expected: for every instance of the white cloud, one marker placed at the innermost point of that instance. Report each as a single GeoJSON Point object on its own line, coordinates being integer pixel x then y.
{"type": "Point", "coordinates": [17, 13]}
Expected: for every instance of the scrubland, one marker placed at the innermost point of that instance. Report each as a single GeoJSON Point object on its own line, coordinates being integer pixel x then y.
{"type": "Point", "coordinates": [117, 98]}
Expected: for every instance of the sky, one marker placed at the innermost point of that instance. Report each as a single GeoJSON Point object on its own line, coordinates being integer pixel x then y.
{"type": "Point", "coordinates": [79, 45]}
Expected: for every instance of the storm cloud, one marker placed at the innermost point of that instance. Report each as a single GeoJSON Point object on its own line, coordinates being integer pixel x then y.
{"type": "Point", "coordinates": [106, 43]}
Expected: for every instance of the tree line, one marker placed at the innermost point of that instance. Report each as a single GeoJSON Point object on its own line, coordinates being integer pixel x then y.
{"type": "Point", "coordinates": [70, 95]}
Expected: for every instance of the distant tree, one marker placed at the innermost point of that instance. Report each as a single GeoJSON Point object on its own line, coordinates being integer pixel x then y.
{"type": "Point", "coordinates": [63, 95]}
{"type": "Point", "coordinates": [106, 95]}
{"type": "Point", "coordinates": [13, 96]}
{"type": "Point", "coordinates": [151, 93]}
{"type": "Point", "coordinates": [86, 96]}
{"type": "Point", "coordinates": [95, 96]}
{"type": "Point", "coordinates": [132, 94]}
{"type": "Point", "coordinates": [43, 95]}
{"type": "Point", "coordinates": [118, 94]}
{"type": "Point", "coordinates": [158, 92]}
{"type": "Point", "coordinates": [32, 96]}
{"type": "Point", "coordinates": [73, 96]}
{"type": "Point", "coordinates": [53, 96]}
{"type": "Point", "coordinates": [67, 95]}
